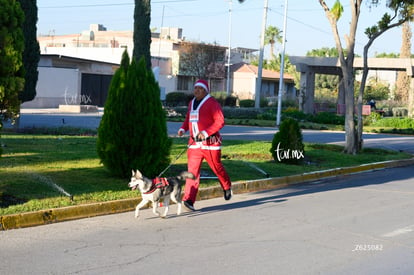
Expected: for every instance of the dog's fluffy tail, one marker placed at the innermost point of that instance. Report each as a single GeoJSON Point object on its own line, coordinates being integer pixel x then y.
{"type": "Point", "coordinates": [185, 175]}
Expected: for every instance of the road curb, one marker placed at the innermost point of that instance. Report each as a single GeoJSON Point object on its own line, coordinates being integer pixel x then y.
{"type": "Point", "coordinates": [50, 216]}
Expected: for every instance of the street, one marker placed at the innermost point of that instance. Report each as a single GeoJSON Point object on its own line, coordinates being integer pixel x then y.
{"type": "Point", "coordinates": [357, 224]}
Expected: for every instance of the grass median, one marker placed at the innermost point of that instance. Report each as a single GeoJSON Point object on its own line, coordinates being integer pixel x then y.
{"type": "Point", "coordinates": [40, 172]}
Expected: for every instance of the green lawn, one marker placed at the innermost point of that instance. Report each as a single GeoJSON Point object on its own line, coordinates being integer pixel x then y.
{"type": "Point", "coordinates": [33, 168]}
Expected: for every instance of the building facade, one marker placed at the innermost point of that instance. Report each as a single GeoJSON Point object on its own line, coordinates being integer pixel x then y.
{"type": "Point", "coordinates": [176, 63]}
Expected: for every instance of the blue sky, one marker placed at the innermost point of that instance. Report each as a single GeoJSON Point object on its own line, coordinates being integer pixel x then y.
{"type": "Point", "coordinates": [208, 21]}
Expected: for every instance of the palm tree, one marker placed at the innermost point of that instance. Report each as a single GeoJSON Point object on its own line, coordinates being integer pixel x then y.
{"type": "Point", "coordinates": [273, 35]}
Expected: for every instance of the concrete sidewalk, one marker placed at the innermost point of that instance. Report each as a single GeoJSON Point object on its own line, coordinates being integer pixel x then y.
{"type": "Point", "coordinates": [105, 208]}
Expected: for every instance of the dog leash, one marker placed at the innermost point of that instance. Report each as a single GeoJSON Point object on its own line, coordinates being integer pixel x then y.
{"type": "Point", "coordinates": [176, 158]}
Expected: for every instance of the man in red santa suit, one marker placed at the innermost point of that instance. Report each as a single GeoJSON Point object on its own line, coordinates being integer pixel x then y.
{"type": "Point", "coordinates": [204, 119]}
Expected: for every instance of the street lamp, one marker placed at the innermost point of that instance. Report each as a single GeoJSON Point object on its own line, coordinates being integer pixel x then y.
{"type": "Point", "coordinates": [259, 70]}
{"type": "Point", "coordinates": [282, 68]}
{"type": "Point", "coordinates": [229, 51]}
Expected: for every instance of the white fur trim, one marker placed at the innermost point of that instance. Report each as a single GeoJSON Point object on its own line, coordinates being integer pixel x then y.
{"type": "Point", "coordinates": [202, 85]}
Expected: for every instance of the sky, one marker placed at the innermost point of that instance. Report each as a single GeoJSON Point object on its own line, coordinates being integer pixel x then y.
{"type": "Point", "coordinates": [209, 21]}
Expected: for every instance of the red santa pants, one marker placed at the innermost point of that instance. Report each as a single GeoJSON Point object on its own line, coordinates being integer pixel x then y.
{"type": "Point", "coordinates": [195, 158]}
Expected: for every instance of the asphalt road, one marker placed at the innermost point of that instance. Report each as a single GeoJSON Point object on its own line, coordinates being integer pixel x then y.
{"type": "Point", "coordinates": [357, 224]}
{"type": "Point", "coordinates": [50, 118]}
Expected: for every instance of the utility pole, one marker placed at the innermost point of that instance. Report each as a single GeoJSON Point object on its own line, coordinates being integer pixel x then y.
{"type": "Point", "coordinates": [282, 68]}
{"type": "Point", "coordinates": [229, 51]}
{"type": "Point", "coordinates": [259, 71]}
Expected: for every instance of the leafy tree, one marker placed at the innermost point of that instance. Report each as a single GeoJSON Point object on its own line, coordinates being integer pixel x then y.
{"type": "Point", "coordinates": [142, 31]}
{"type": "Point", "coordinates": [402, 11]}
{"type": "Point", "coordinates": [133, 130]}
{"type": "Point", "coordinates": [31, 54]}
{"type": "Point", "coordinates": [387, 55]}
{"type": "Point", "coordinates": [323, 52]}
{"type": "Point", "coordinates": [402, 8]}
{"type": "Point", "coordinates": [11, 64]}
{"type": "Point", "coordinates": [346, 64]}
{"type": "Point", "coordinates": [375, 90]}
{"type": "Point", "coordinates": [202, 60]}
{"type": "Point", "coordinates": [272, 35]}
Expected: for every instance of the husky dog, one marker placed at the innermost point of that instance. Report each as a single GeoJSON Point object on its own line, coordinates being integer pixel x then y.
{"type": "Point", "coordinates": [158, 188]}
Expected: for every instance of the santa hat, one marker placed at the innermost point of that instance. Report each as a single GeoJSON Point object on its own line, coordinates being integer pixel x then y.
{"type": "Point", "coordinates": [203, 84]}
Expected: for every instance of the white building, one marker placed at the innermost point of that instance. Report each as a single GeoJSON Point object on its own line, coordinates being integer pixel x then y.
{"type": "Point", "coordinates": [101, 45]}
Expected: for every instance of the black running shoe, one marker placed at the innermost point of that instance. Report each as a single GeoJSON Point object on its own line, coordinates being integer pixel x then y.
{"type": "Point", "coordinates": [228, 194]}
{"type": "Point", "coordinates": [189, 205]}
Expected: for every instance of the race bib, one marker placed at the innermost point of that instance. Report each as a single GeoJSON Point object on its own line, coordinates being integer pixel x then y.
{"type": "Point", "coordinates": [194, 116]}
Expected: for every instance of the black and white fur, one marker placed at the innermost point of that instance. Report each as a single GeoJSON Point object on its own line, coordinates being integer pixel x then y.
{"type": "Point", "coordinates": [171, 191]}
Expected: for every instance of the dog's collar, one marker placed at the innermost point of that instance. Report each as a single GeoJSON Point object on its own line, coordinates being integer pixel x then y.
{"type": "Point", "coordinates": [157, 183]}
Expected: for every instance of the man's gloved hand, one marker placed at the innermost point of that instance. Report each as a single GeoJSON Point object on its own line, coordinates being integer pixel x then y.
{"type": "Point", "coordinates": [200, 137]}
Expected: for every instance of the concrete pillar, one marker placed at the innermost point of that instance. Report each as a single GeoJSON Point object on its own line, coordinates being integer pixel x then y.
{"type": "Point", "coordinates": [307, 92]}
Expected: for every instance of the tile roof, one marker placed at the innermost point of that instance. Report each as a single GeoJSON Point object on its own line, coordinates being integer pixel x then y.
{"type": "Point", "coordinates": [268, 74]}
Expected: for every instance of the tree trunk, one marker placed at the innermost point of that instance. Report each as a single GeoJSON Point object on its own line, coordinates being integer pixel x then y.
{"type": "Point", "coordinates": [402, 88]}
{"type": "Point", "coordinates": [347, 67]}
{"type": "Point", "coordinates": [142, 31]}
{"type": "Point", "coordinates": [411, 99]}
{"type": "Point", "coordinates": [360, 97]}
{"type": "Point", "coordinates": [350, 134]}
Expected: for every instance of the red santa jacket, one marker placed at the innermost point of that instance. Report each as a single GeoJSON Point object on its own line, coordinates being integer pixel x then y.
{"type": "Point", "coordinates": [207, 119]}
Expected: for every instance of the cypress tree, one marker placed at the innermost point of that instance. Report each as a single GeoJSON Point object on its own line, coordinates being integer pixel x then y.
{"type": "Point", "coordinates": [133, 130]}
{"type": "Point", "coordinates": [287, 144]}
{"type": "Point", "coordinates": [142, 31]}
{"type": "Point", "coordinates": [31, 53]}
{"type": "Point", "coordinates": [11, 66]}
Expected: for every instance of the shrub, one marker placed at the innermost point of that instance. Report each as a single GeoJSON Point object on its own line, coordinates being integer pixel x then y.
{"type": "Point", "coordinates": [264, 102]}
{"type": "Point", "coordinates": [224, 99]}
{"type": "Point", "coordinates": [247, 103]}
{"type": "Point", "coordinates": [219, 96]}
{"type": "Point", "coordinates": [372, 118]}
{"type": "Point", "coordinates": [231, 101]}
{"type": "Point", "coordinates": [132, 133]}
{"type": "Point", "coordinates": [395, 122]}
{"type": "Point", "coordinates": [177, 99]}
{"type": "Point", "coordinates": [287, 144]}
{"type": "Point", "coordinates": [290, 103]}
{"type": "Point", "coordinates": [400, 111]}
{"type": "Point", "coordinates": [328, 118]}
{"type": "Point", "coordinates": [294, 113]}
{"type": "Point", "coordinates": [376, 91]}
{"type": "Point", "coordinates": [267, 114]}
{"type": "Point", "coordinates": [241, 113]}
